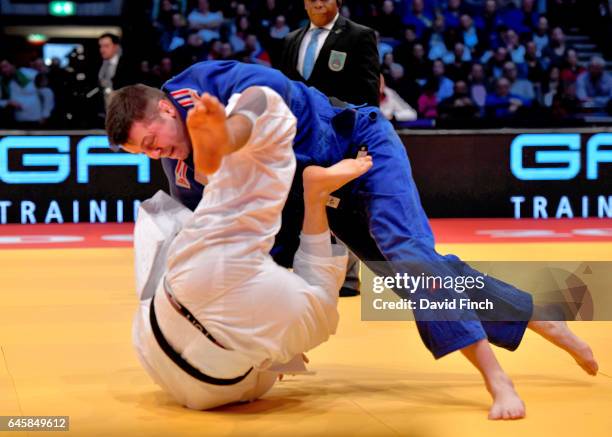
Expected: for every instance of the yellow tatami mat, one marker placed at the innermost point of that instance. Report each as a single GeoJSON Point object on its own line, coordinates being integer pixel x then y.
{"type": "Point", "coordinates": [65, 326]}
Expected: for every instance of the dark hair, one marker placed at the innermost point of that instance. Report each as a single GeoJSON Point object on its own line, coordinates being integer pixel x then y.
{"type": "Point", "coordinates": [114, 38]}
{"type": "Point", "coordinates": [128, 105]}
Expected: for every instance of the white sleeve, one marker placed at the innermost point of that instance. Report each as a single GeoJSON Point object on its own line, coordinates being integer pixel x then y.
{"type": "Point", "coordinates": [274, 125]}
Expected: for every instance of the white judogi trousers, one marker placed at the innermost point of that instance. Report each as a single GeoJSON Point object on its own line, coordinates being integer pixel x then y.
{"type": "Point", "coordinates": [218, 267]}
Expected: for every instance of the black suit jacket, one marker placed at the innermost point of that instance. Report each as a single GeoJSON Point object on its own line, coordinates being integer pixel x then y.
{"type": "Point", "coordinates": [347, 66]}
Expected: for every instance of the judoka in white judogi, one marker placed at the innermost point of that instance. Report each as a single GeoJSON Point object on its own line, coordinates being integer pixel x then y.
{"type": "Point", "coordinates": [223, 311]}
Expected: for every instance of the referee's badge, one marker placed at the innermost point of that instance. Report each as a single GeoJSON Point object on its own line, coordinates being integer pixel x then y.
{"type": "Point", "coordinates": [336, 60]}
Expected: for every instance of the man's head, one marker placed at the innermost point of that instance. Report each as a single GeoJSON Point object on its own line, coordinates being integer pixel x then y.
{"type": "Point", "coordinates": [477, 73]}
{"type": "Point", "coordinates": [141, 119]}
{"type": "Point", "coordinates": [458, 50]}
{"type": "Point", "coordinates": [557, 36]}
{"type": "Point", "coordinates": [454, 5]}
{"type": "Point", "coordinates": [466, 21]}
{"type": "Point", "coordinates": [321, 12]}
{"type": "Point", "coordinates": [109, 45]}
{"type": "Point", "coordinates": [501, 54]}
{"type": "Point", "coordinates": [510, 71]}
{"type": "Point", "coordinates": [438, 68]}
{"type": "Point", "coordinates": [418, 51]}
{"type": "Point", "coordinates": [490, 6]}
{"type": "Point", "coordinates": [460, 89]}
{"type": "Point", "coordinates": [542, 25]}
{"type": "Point", "coordinates": [6, 68]}
{"type": "Point", "coordinates": [417, 7]}
{"type": "Point", "coordinates": [502, 87]}
{"type": "Point", "coordinates": [388, 7]}
{"type": "Point", "coordinates": [596, 67]}
{"type": "Point", "coordinates": [571, 57]}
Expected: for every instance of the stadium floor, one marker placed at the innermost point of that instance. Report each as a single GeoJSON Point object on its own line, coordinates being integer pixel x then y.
{"type": "Point", "coordinates": [65, 320]}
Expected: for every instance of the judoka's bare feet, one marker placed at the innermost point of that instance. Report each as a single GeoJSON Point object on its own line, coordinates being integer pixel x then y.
{"type": "Point", "coordinates": [319, 182]}
{"type": "Point", "coordinates": [558, 333]}
{"type": "Point", "coordinates": [507, 405]}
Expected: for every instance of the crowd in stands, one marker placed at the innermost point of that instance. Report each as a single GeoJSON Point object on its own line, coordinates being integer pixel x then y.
{"type": "Point", "coordinates": [493, 61]}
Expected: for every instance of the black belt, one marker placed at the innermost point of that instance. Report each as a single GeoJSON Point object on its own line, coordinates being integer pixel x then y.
{"type": "Point", "coordinates": [178, 359]}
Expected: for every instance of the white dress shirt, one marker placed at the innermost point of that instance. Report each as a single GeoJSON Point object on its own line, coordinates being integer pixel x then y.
{"type": "Point", "coordinates": [327, 30]}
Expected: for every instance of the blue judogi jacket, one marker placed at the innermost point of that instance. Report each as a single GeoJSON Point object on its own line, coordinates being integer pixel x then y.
{"type": "Point", "coordinates": [315, 141]}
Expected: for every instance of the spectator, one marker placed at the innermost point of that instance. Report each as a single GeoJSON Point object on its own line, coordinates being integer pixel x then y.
{"type": "Point", "coordinates": [522, 88]}
{"type": "Point", "coordinates": [226, 51]}
{"type": "Point", "coordinates": [428, 102]}
{"type": "Point", "coordinates": [215, 50]}
{"type": "Point", "coordinates": [478, 85]}
{"type": "Point", "coordinates": [388, 61]}
{"type": "Point", "coordinates": [514, 47]}
{"type": "Point", "coordinates": [403, 51]}
{"type": "Point", "coordinates": [495, 65]}
{"type": "Point", "coordinates": [502, 104]}
{"type": "Point", "coordinates": [345, 12]}
{"type": "Point", "coordinates": [565, 104]}
{"type": "Point", "coordinates": [445, 85]}
{"type": "Point", "coordinates": [419, 66]}
{"type": "Point", "coordinates": [19, 94]}
{"type": "Point", "coordinates": [520, 20]}
{"type": "Point", "coordinates": [280, 29]}
{"type": "Point", "coordinates": [190, 53]}
{"type": "Point", "coordinates": [239, 32]}
{"type": "Point", "coordinates": [554, 54]}
{"type": "Point", "coordinates": [406, 87]}
{"type": "Point", "coordinates": [207, 23]}
{"type": "Point", "coordinates": [277, 34]}
{"type": "Point", "coordinates": [535, 72]}
{"type": "Point", "coordinates": [459, 106]}
{"type": "Point", "coordinates": [418, 18]}
{"type": "Point", "coordinates": [46, 96]}
{"type": "Point", "coordinates": [594, 86]}
{"type": "Point", "coordinates": [146, 76]}
{"type": "Point", "coordinates": [266, 14]}
{"type": "Point", "coordinates": [253, 53]}
{"type": "Point", "coordinates": [491, 22]}
{"type": "Point", "coordinates": [393, 106]}
{"type": "Point", "coordinates": [540, 36]}
{"type": "Point", "coordinates": [162, 16]}
{"type": "Point", "coordinates": [460, 67]}
{"type": "Point", "coordinates": [166, 70]}
{"type": "Point", "coordinates": [528, 16]}
{"type": "Point", "coordinates": [175, 35]}
{"type": "Point", "coordinates": [437, 40]}
{"type": "Point", "coordinates": [452, 14]}
{"type": "Point", "coordinates": [382, 47]}
{"type": "Point", "coordinates": [571, 70]}
{"type": "Point", "coordinates": [388, 23]}
{"type": "Point", "coordinates": [7, 105]}
{"type": "Point", "coordinates": [469, 35]}
{"type": "Point", "coordinates": [551, 86]}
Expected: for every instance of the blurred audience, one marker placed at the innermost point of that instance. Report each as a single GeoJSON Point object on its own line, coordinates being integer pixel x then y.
{"type": "Point", "coordinates": [484, 60]}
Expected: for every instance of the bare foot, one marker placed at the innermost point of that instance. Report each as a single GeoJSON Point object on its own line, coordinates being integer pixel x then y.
{"type": "Point", "coordinates": [210, 136]}
{"type": "Point", "coordinates": [319, 182]}
{"type": "Point", "coordinates": [558, 333]}
{"type": "Point", "coordinates": [507, 405]}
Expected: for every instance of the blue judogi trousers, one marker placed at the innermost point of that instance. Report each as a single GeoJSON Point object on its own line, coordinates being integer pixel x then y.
{"type": "Point", "coordinates": [380, 218]}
